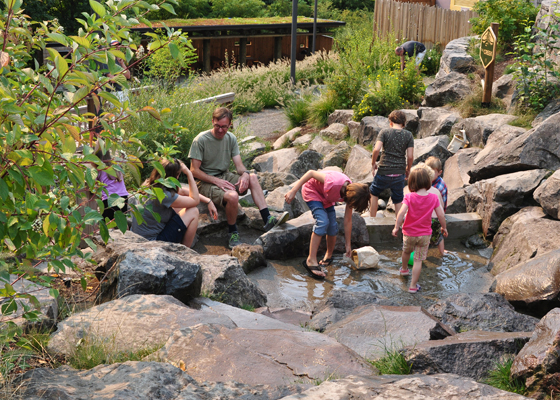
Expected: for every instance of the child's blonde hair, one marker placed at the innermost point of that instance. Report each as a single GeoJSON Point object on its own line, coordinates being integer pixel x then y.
{"type": "Point", "coordinates": [428, 169]}
{"type": "Point", "coordinates": [434, 163]}
{"type": "Point", "coordinates": [419, 178]}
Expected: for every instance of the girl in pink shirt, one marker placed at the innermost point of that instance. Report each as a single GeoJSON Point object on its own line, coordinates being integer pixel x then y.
{"type": "Point", "coordinates": [417, 229]}
{"type": "Point", "coordinates": [321, 190]}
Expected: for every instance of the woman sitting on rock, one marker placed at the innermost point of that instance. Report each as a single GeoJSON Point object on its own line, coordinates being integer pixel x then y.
{"type": "Point", "coordinates": [178, 212]}
{"type": "Point", "coordinates": [321, 190]}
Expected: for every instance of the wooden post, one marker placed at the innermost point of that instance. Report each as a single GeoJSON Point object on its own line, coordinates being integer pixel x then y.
{"type": "Point", "coordinates": [489, 74]}
{"type": "Point", "coordinates": [206, 55]}
{"type": "Point", "coordinates": [243, 51]}
{"type": "Point", "coordinates": [277, 48]}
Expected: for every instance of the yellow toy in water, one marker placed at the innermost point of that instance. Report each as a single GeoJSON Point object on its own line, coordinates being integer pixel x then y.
{"type": "Point", "coordinates": [411, 261]}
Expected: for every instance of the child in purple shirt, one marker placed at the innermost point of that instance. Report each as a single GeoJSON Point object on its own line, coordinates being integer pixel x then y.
{"type": "Point", "coordinates": [111, 185]}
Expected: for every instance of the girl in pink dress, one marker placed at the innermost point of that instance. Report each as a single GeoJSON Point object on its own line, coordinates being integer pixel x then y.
{"type": "Point", "coordinates": [417, 229]}
{"type": "Point", "coordinates": [321, 190]}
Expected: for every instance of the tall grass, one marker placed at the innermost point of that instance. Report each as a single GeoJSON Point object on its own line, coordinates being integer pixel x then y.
{"type": "Point", "coordinates": [392, 363]}
{"type": "Point", "coordinates": [500, 377]}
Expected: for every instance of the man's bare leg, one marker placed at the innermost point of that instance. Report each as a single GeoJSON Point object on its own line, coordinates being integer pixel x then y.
{"type": "Point", "coordinates": [373, 206]}
{"type": "Point", "coordinates": [256, 191]}
{"type": "Point", "coordinates": [231, 199]}
{"type": "Point", "coordinates": [397, 208]}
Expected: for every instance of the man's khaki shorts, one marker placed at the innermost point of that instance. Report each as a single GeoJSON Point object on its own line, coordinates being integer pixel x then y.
{"type": "Point", "coordinates": [214, 192]}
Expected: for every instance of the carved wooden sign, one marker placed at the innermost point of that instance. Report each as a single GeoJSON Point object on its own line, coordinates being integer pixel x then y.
{"type": "Point", "coordinates": [488, 43]}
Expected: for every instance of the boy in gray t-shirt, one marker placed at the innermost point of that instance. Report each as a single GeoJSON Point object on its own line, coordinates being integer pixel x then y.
{"type": "Point", "coordinates": [396, 146]}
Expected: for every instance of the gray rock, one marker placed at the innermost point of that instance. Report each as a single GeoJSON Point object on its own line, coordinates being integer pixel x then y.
{"type": "Point", "coordinates": [276, 161]}
{"type": "Point", "coordinates": [470, 354]}
{"type": "Point", "coordinates": [286, 138]}
{"type": "Point", "coordinates": [358, 167]}
{"type": "Point", "coordinates": [207, 225]}
{"type": "Point", "coordinates": [320, 145]}
{"type": "Point", "coordinates": [455, 171]}
{"type": "Point", "coordinates": [436, 121]}
{"type": "Point", "coordinates": [447, 89]}
{"type": "Point", "coordinates": [497, 198]}
{"type": "Point", "coordinates": [336, 131]}
{"type": "Point", "coordinates": [456, 201]}
{"type": "Point", "coordinates": [370, 128]}
{"type": "Point", "coordinates": [339, 304]}
{"type": "Point", "coordinates": [523, 236]}
{"type": "Point", "coordinates": [425, 387]}
{"type": "Point", "coordinates": [251, 150]}
{"type": "Point", "coordinates": [412, 120]}
{"type": "Point", "coordinates": [455, 57]}
{"type": "Point", "coordinates": [292, 238]}
{"type": "Point", "coordinates": [371, 330]}
{"type": "Point", "coordinates": [279, 356]}
{"type": "Point", "coordinates": [276, 202]}
{"type": "Point", "coordinates": [303, 140]}
{"type": "Point", "coordinates": [503, 89]}
{"type": "Point", "coordinates": [340, 116]}
{"type": "Point", "coordinates": [482, 312]}
{"type": "Point", "coordinates": [545, 20]}
{"type": "Point", "coordinates": [478, 129]}
{"type": "Point", "coordinates": [537, 148]}
{"type": "Point", "coordinates": [297, 318]}
{"type": "Point", "coordinates": [354, 129]}
{"type": "Point", "coordinates": [250, 257]}
{"type": "Point", "coordinates": [307, 160]}
{"type": "Point", "coordinates": [476, 242]}
{"type": "Point", "coordinates": [548, 195]}
{"type": "Point", "coordinates": [338, 156]}
{"type": "Point", "coordinates": [136, 380]}
{"type": "Point", "coordinates": [273, 180]}
{"type": "Point", "coordinates": [431, 146]}
{"type": "Point", "coordinates": [552, 108]}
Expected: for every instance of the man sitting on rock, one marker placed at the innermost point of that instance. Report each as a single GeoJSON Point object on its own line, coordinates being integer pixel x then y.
{"type": "Point", "coordinates": [210, 154]}
{"type": "Point", "coordinates": [411, 49]}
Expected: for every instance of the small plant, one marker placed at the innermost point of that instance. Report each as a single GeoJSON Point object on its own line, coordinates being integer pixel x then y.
{"type": "Point", "coordinates": [248, 307]}
{"type": "Point", "coordinates": [500, 377]}
{"type": "Point", "coordinates": [525, 117]}
{"type": "Point", "coordinates": [320, 109]}
{"type": "Point", "coordinates": [471, 106]}
{"type": "Point", "coordinates": [392, 363]}
{"type": "Point", "coordinates": [297, 111]}
{"type": "Point", "coordinates": [430, 63]}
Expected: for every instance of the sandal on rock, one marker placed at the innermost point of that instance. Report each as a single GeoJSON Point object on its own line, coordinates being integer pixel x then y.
{"type": "Point", "coordinates": [326, 263]}
{"type": "Point", "coordinates": [414, 290]}
{"type": "Point", "coordinates": [404, 272]}
{"type": "Point", "coordinates": [312, 268]}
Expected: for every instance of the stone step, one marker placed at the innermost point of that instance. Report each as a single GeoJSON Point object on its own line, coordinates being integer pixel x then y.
{"type": "Point", "coordinates": [459, 226]}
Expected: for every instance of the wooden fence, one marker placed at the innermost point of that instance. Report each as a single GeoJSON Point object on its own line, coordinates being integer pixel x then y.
{"type": "Point", "coordinates": [426, 24]}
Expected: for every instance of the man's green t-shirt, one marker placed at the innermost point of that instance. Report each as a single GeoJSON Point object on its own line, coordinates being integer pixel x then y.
{"type": "Point", "coordinates": [215, 155]}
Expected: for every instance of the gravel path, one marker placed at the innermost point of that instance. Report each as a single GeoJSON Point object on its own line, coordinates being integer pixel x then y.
{"type": "Point", "coordinates": [268, 124]}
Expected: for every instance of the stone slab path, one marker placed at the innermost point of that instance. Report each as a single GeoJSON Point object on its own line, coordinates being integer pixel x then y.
{"type": "Point", "coordinates": [268, 124]}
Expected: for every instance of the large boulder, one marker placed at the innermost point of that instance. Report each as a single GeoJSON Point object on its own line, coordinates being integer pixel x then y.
{"type": "Point", "coordinates": [431, 146]}
{"type": "Point", "coordinates": [358, 168]}
{"type": "Point", "coordinates": [256, 357]}
{"type": "Point", "coordinates": [552, 108]}
{"type": "Point", "coordinates": [272, 180]}
{"type": "Point", "coordinates": [447, 89]}
{"type": "Point", "coordinates": [455, 171]}
{"type": "Point", "coordinates": [292, 238]}
{"type": "Point", "coordinates": [277, 202]}
{"type": "Point", "coordinates": [354, 129]}
{"type": "Point", "coordinates": [497, 198]}
{"type": "Point", "coordinates": [546, 21]}
{"type": "Point", "coordinates": [481, 311]}
{"type": "Point", "coordinates": [548, 195]}
{"type": "Point", "coordinates": [276, 161]}
{"type": "Point", "coordinates": [436, 121]}
{"type": "Point", "coordinates": [455, 57]}
{"type": "Point", "coordinates": [523, 236]}
{"type": "Point", "coordinates": [538, 362]}
{"type": "Point", "coordinates": [534, 285]}
{"type": "Point", "coordinates": [338, 156]}
{"type": "Point", "coordinates": [320, 145]}
{"type": "Point", "coordinates": [536, 148]}
{"type": "Point", "coordinates": [336, 131]}
{"type": "Point", "coordinates": [478, 129]}
{"type": "Point", "coordinates": [307, 160]}
{"type": "Point", "coordinates": [340, 116]}
{"type": "Point", "coordinates": [412, 120]}
{"type": "Point", "coordinates": [456, 201]}
{"type": "Point", "coordinates": [370, 128]}
{"type": "Point", "coordinates": [372, 330]}
{"type": "Point", "coordinates": [470, 354]}
{"type": "Point", "coordinates": [286, 138]}
{"type": "Point", "coordinates": [504, 88]}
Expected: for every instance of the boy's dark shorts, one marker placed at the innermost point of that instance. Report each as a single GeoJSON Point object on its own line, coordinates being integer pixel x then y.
{"type": "Point", "coordinates": [395, 183]}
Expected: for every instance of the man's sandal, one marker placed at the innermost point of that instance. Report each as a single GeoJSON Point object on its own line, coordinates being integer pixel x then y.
{"type": "Point", "coordinates": [415, 290]}
{"type": "Point", "coordinates": [312, 268]}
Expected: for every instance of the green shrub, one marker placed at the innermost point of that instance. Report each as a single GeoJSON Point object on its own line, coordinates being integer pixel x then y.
{"type": "Point", "coordinates": [393, 363]}
{"type": "Point", "coordinates": [430, 63]}
{"type": "Point", "coordinates": [320, 109]}
{"type": "Point", "coordinates": [500, 377]}
{"type": "Point", "coordinates": [297, 111]}
{"type": "Point", "coordinates": [163, 66]}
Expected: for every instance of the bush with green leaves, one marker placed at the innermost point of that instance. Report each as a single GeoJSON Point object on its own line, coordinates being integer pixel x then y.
{"type": "Point", "coordinates": [430, 63]}
{"type": "Point", "coordinates": [166, 65]}
{"type": "Point", "coordinates": [510, 14]}
{"type": "Point", "coordinates": [237, 8]}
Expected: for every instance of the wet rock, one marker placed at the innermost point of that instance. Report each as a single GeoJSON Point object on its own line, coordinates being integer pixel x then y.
{"type": "Point", "coordinates": [552, 108]}
{"type": "Point", "coordinates": [338, 156]}
{"type": "Point", "coordinates": [250, 257]}
{"type": "Point", "coordinates": [524, 235]}
{"type": "Point", "coordinates": [425, 387]}
{"type": "Point", "coordinates": [447, 89]}
{"type": "Point", "coordinates": [276, 202]}
{"type": "Point", "coordinates": [370, 330]}
{"type": "Point", "coordinates": [370, 128]}
{"type": "Point", "coordinates": [286, 138]}
{"type": "Point", "coordinates": [533, 284]}
{"type": "Point", "coordinates": [469, 354]}
{"type": "Point", "coordinates": [476, 242]}
{"type": "Point", "coordinates": [456, 201]}
{"type": "Point", "coordinates": [354, 129]}
{"type": "Point", "coordinates": [307, 160]}
{"type": "Point", "coordinates": [358, 167]}
{"type": "Point", "coordinates": [435, 121]}
{"type": "Point", "coordinates": [136, 380]}
{"type": "Point", "coordinates": [295, 317]}
{"type": "Point", "coordinates": [455, 171]}
{"type": "Point", "coordinates": [481, 311]}
{"type": "Point", "coordinates": [292, 238]}
{"type": "Point", "coordinates": [303, 140]}
{"type": "Point", "coordinates": [537, 148]}
{"type": "Point", "coordinates": [320, 145]}
{"type": "Point", "coordinates": [272, 180]}
{"type": "Point", "coordinates": [276, 161]}
{"type": "Point", "coordinates": [431, 146]}
{"type": "Point", "coordinates": [497, 198]}
{"type": "Point", "coordinates": [336, 131]}
{"type": "Point", "coordinates": [339, 304]}
{"type": "Point", "coordinates": [504, 88]}
{"type": "Point", "coordinates": [340, 116]}
{"type": "Point", "coordinates": [412, 120]}
{"type": "Point", "coordinates": [279, 356]}
{"type": "Point", "coordinates": [478, 129]}
{"type": "Point", "coordinates": [538, 361]}
{"type": "Point", "coordinates": [455, 57]}
{"type": "Point", "coordinates": [548, 195]}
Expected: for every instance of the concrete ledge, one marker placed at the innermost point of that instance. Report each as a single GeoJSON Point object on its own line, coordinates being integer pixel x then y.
{"type": "Point", "coordinates": [459, 226]}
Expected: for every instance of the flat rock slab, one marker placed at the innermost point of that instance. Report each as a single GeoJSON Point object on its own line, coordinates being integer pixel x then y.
{"type": "Point", "coordinates": [455, 171]}
{"type": "Point", "coordinates": [370, 330]}
{"type": "Point", "coordinates": [399, 387]}
{"type": "Point", "coordinates": [469, 354]}
{"type": "Point", "coordinates": [272, 357]}
{"type": "Point", "coordinates": [135, 380]}
{"type": "Point", "coordinates": [276, 161]}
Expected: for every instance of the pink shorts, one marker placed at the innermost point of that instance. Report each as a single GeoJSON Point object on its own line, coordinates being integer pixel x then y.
{"type": "Point", "coordinates": [418, 244]}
